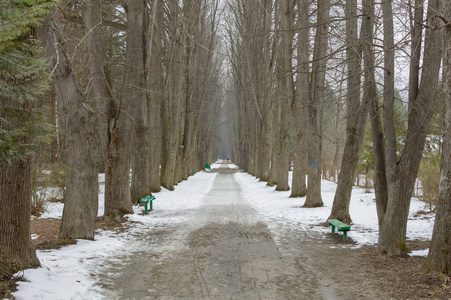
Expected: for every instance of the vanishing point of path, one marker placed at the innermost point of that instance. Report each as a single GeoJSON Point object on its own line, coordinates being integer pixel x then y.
{"type": "Point", "coordinates": [226, 251]}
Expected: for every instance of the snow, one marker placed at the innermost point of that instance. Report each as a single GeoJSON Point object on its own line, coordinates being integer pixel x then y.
{"type": "Point", "coordinates": [289, 212]}
{"type": "Point", "coordinates": [66, 273]}
{"type": "Point", "coordinates": [73, 272]}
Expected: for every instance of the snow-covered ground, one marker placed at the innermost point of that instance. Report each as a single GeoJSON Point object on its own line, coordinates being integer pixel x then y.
{"type": "Point", "coordinates": [71, 272]}
{"type": "Point", "coordinates": [277, 206]}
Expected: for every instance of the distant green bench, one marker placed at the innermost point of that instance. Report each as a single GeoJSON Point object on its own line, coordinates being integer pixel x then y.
{"type": "Point", "coordinates": [341, 227]}
{"type": "Point", "coordinates": [207, 166]}
{"type": "Point", "coordinates": [147, 201]}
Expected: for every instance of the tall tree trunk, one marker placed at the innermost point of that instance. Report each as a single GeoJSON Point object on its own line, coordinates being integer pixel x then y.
{"type": "Point", "coordinates": [81, 199]}
{"type": "Point", "coordinates": [415, 49]}
{"type": "Point", "coordinates": [369, 88]}
{"type": "Point", "coordinates": [100, 90]}
{"type": "Point", "coordinates": [356, 117]}
{"type": "Point", "coordinates": [439, 258]}
{"type": "Point", "coordinates": [190, 84]}
{"type": "Point", "coordinates": [265, 145]}
{"type": "Point", "coordinates": [141, 143]}
{"type": "Point", "coordinates": [117, 186]}
{"type": "Point", "coordinates": [334, 167]}
{"type": "Point", "coordinates": [389, 89]}
{"type": "Point", "coordinates": [299, 187]}
{"type": "Point", "coordinates": [393, 210]}
{"type": "Point", "coordinates": [16, 251]}
{"type": "Point", "coordinates": [275, 145]}
{"type": "Point", "coordinates": [155, 92]}
{"type": "Point", "coordinates": [317, 86]}
{"type": "Point", "coordinates": [172, 105]}
{"type": "Point", "coordinates": [171, 119]}
{"type": "Point", "coordinates": [120, 114]}
{"type": "Point", "coordinates": [287, 92]}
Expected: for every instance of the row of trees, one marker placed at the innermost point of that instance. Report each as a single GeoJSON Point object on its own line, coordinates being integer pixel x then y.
{"type": "Point", "coordinates": [138, 85]}
{"type": "Point", "coordinates": [285, 55]}
{"type": "Point", "coordinates": [129, 85]}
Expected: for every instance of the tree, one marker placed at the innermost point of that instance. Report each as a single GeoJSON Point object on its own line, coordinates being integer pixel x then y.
{"type": "Point", "coordinates": [23, 79]}
{"type": "Point", "coordinates": [140, 186]}
{"type": "Point", "coordinates": [254, 60]}
{"type": "Point", "coordinates": [395, 178]}
{"type": "Point", "coordinates": [172, 105]}
{"type": "Point", "coordinates": [355, 121]}
{"type": "Point", "coordinates": [439, 258]}
{"type": "Point", "coordinates": [299, 112]}
{"type": "Point", "coordinates": [77, 117]}
{"type": "Point", "coordinates": [265, 140]}
{"type": "Point", "coordinates": [317, 87]}
{"type": "Point", "coordinates": [154, 89]}
{"type": "Point", "coordinates": [286, 87]}
{"type": "Point", "coordinates": [120, 111]}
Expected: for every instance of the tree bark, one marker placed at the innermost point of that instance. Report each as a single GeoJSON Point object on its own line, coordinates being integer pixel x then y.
{"type": "Point", "coordinates": [141, 143]}
{"type": "Point", "coordinates": [97, 63]}
{"type": "Point", "coordinates": [415, 49]}
{"type": "Point", "coordinates": [275, 145]}
{"type": "Point", "coordinates": [393, 207]}
{"type": "Point", "coordinates": [120, 112]}
{"type": "Point", "coordinates": [266, 94]}
{"type": "Point", "coordinates": [172, 105]}
{"type": "Point", "coordinates": [16, 250]}
{"type": "Point", "coordinates": [439, 258]}
{"type": "Point", "coordinates": [122, 126]}
{"type": "Point", "coordinates": [299, 186]}
{"type": "Point", "coordinates": [356, 118]}
{"type": "Point", "coordinates": [286, 97]}
{"type": "Point", "coordinates": [155, 95]}
{"type": "Point", "coordinates": [317, 86]}
{"type": "Point", "coordinates": [79, 125]}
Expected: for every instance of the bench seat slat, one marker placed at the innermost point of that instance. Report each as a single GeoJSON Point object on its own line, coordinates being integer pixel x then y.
{"type": "Point", "coordinates": [339, 225]}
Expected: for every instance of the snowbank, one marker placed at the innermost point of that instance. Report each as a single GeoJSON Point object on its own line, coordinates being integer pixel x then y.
{"type": "Point", "coordinates": [287, 212]}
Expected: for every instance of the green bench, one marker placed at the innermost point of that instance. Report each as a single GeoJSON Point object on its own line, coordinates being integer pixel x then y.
{"type": "Point", "coordinates": [207, 166]}
{"type": "Point", "coordinates": [341, 227]}
{"type": "Point", "coordinates": [147, 201]}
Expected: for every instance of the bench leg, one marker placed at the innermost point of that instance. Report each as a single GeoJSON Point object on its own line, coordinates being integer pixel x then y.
{"type": "Point", "coordinates": [145, 209]}
{"type": "Point", "coordinates": [345, 235]}
{"type": "Point", "coordinates": [150, 205]}
{"type": "Point", "coordinates": [333, 229]}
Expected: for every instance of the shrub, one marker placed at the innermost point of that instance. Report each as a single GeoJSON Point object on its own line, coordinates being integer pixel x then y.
{"type": "Point", "coordinates": [429, 175]}
{"type": "Point", "coordinates": [48, 184]}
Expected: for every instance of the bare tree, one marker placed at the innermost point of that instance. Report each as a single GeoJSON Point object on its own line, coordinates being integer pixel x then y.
{"type": "Point", "coordinates": [299, 112]}
{"type": "Point", "coordinates": [253, 59]}
{"type": "Point", "coordinates": [155, 92]}
{"type": "Point", "coordinates": [286, 83]}
{"type": "Point", "coordinates": [439, 258]}
{"type": "Point", "coordinates": [266, 86]}
{"type": "Point", "coordinates": [317, 87]}
{"type": "Point", "coordinates": [395, 178]}
{"type": "Point", "coordinates": [80, 128]}
{"type": "Point", "coordinates": [140, 186]}
{"type": "Point", "coordinates": [171, 107]}
{"type": "Point", "coordinates": [356, 115]}
{"type": "Point", "coordinates": [120, 111]}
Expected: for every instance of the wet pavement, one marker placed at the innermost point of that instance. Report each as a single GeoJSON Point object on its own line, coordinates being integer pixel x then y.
{"type": "Point", "coordinates": [226, 251]}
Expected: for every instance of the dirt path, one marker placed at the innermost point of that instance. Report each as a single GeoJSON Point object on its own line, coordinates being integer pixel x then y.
{"type": "Point", "coordinates": [226, 251]}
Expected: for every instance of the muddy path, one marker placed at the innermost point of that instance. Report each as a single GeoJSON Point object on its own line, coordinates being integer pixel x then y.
{"type": "Point", "coordinates": [226, 251]}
